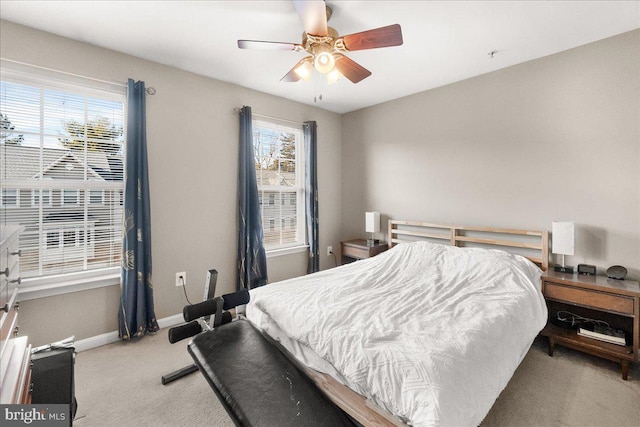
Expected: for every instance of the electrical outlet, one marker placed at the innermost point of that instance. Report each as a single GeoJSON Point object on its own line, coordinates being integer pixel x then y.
{"type": "Point", "coordinates": [329, 250]}
{"type": "Point", "coordinates": [180, 278]}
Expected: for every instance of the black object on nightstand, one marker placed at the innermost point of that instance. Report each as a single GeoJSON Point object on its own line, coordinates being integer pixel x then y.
{"type": "Point", "coordinates": [566, 269]}
{"type": "Point", "coordinates": [589, 270]}
{"type": "Point", "coordinates": [617, 272]}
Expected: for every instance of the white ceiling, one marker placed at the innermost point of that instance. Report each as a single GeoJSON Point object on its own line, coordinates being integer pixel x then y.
{"type": "Point", "coordinates": [444, 41]}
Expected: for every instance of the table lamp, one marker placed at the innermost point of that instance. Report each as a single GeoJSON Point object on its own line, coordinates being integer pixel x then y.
{"type": "Point", "coordinates": [562, 235]}
{"type": "Point", "coordinates": [372, 225]}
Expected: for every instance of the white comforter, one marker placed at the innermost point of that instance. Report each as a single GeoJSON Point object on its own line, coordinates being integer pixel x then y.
{"type": "Point", "coordinates": [431, 333]}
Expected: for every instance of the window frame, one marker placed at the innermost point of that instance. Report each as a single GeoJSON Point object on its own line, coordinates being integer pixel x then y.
{"type": "Point", "coordinates": [57, 284]}
{"type": "Point", "coordinates": [299, 191]}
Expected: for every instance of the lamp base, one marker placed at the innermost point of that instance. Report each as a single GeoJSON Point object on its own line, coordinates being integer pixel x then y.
{"type": "Point", "coordinates": [566, 269]}
{"type": "Point", "coordinates": [372, 242]}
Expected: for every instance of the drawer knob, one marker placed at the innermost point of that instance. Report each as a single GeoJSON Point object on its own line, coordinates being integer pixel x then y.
{"type": "Point", "coordinates": [18, 281]}
{"type": "Point", "coordinates": [5, 308]}
{"type": "Point", "coordinates": [5, 272]}
{"type": "Point", "coordinates": [16, 331]}
{"type": "Point", "coordinates": [18, 252]}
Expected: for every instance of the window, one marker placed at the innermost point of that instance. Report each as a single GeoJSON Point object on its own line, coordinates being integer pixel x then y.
{"type": "Point", "coordinates": [280, 175]}
{"type": "Point", "coordinates": [96, 197]}
{"type": "Point", "coordinates": [35, 197]}
{"type": "Point", "coordinates": [70, 197]}
{"type": "Point", "coordinates": [62, 144]}
{"type": "Point", "coordinates": [67, 241]}
{"type": "Point", "coordinates": [9, 198]}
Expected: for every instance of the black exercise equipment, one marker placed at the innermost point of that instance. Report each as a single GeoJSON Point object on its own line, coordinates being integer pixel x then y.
{"type": "Point", "coordinates": [203, 317]}
{"type": "Point", "coordinates": [257, 384]}
{"type": "Point", "coordinates": [209, 291]}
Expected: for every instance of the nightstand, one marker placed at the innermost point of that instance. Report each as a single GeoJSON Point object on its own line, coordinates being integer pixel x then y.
{"type": "Point", "coordinates": [616, 302]}
{"type": "Point", "coordinates": [357, 249]}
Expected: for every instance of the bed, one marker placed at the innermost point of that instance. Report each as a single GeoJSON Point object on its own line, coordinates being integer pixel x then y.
{"type": "Point", "coordinates": [427, 333]}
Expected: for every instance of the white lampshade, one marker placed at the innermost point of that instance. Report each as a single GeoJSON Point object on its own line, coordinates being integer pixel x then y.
{"type": "Point", "coordinates": [372, 222]}
{"type": "Point", "coordinates": [562, 237]}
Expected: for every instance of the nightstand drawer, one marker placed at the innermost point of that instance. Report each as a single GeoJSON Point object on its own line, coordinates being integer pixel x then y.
{"type": "Point", "coordinates": [587, 298]}
{"type": "Point", "coordinates": [355, 252]}
{"type": "Point", "coordinates": [358, 249]}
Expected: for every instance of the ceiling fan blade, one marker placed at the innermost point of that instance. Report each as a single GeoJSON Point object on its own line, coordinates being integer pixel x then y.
{"type": "Point", "coordinates": [292, 76]}
{"type": "Point", "coordinates": [371, 39]}
{"type": "Point", "coordinates": [313, 15]}
{"type": "Point", "coordinates": [264, 45]}
{"type": "Point", "coordinates": [351, 69]}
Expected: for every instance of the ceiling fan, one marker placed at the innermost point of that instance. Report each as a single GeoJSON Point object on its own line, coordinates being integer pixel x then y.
{"type": "Point", "coordinates": [325, 48]}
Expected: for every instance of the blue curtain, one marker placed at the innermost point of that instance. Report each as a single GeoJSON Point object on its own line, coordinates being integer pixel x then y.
{"type": "Point", "coordinates": [136, 315]}
{"type": "Point", "coordinates": [311, 188]}
{"type": "Point", "coordinates": [252, 260]}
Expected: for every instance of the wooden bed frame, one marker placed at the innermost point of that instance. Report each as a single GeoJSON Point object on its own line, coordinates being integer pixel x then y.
{"type": "Point", "coordinates": [535, 242]}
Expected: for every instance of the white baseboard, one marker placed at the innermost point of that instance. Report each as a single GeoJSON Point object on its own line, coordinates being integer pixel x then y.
{"type": "Point", "coordinates": [170, 321]}
{"type": "Point", "coordinates": [111, 337]}
{"type": "Point", "coordinates": [97, 341]}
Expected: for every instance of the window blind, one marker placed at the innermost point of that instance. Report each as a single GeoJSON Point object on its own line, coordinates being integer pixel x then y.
{"type": "Point", "coordinates": [280, 176]}
{"type": "Point", "coordinates": [62, 158]}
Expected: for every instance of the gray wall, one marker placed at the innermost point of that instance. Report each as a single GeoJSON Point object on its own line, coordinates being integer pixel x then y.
{"type": "Point", "coordinates": [192, 149]}
{"type": "Point", "coordinates": [552, 139]}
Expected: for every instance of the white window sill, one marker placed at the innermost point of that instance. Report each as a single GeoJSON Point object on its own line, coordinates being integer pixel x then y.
{"type": "Point", "coordinates": [67, 283]}
{"type": "Point", "coordinates": [286, 251]}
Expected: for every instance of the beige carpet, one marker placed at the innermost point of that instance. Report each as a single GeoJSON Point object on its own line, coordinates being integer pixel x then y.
{"type": "Point", "coordinates": [119, 385]}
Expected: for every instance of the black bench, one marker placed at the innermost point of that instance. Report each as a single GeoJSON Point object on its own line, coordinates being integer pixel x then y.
{"type": "Point", "coordinates": [256, 383]}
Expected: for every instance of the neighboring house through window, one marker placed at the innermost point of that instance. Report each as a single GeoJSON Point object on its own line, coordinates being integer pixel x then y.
{"type": "Point", "coordinates": [62, 148]}
{"type": "Point", "coordinates": [280, 177]}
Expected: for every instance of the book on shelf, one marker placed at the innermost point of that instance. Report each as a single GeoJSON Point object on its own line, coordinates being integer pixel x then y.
{"type": "Point", "coordinates": [603, 333]}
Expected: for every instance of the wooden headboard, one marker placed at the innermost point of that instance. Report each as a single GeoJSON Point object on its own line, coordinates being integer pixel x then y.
{"type": "Point", "coordinates": [534, 245]}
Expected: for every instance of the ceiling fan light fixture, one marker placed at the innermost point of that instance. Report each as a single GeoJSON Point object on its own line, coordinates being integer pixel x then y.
{"type": "Point", "coordinates": [333, 76]}
{"type": "Point", "coordinates": [326, 47]}
{"type": "Point", "coordinates": [323, 59]}
{"type": "Point", "coordinates": [305, 69]}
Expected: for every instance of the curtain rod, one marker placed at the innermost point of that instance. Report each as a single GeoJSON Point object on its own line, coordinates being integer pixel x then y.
{"type": "Point", "coordinates": [150, 90]}
{"type": "Point", "coordinates": [64, 72]}
{"type": "Point", "coordinates": [263, 116]}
